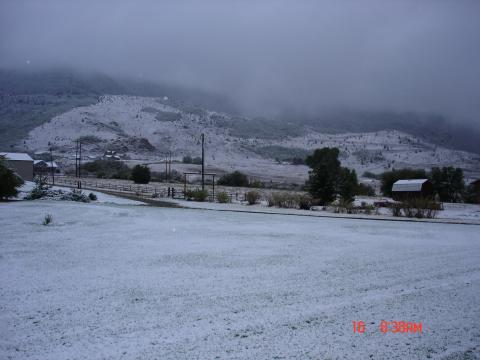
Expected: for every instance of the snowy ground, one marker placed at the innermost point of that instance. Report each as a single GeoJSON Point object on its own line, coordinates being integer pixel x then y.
{"type": "Point", "coordinates": [101, 197]}
{"type": "Point", "coordinates": [109, 281]}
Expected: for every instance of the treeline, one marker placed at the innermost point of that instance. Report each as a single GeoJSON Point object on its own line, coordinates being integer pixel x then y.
{"type": "Point", "coordinates": [328, 180]}
{"type": "Point", "coordinates": [448, 183]}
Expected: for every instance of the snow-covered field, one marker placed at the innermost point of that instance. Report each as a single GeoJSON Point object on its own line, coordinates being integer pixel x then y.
{"type": "Point", "coordinates": [111, 281]}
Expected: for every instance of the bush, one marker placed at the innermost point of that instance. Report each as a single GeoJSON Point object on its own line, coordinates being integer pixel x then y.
{"type": "Point", "coordinates": [252, 197]}
{"type": "Point", "coordinates": [222, 197]}
{"type": "Point", "coordinates": [107, 169]}
{"type": "Point", "coordinates": [283, 200]}
{"type": "Point", "coordinates": [235, 178]}
{"type": "Point", "coordinates": [196, 195]}
{"type": "Point", "coordinates": [39, 190]}
{"type": "Point", "coordinates": [256, 184]}
{"type": "Point", "coordinates": [9, 182]}
{"type": "Point", "coordinates": [472, 193]}
{"type": "Point", "coordinates": [141, 174]}
{"type": "Point", "coordinates": [305, 202]}
{"type": "Point", "coordinates": [92, 196]}
{"type": "Point", "coordinates": [366, 208]}
{"type": "Point", "coordinates": [290, 201]}
{"type": "Point", "coordinates": [365, 190]}
{"type": "Point", "coordinates": [345, 206]}
{"type": "Point", "coordinates": [370, 175]}
{"type": "Point", "coordinates": [396, 210]}
{"type": "Point", "coordinates": [419, 208]}
{"type": "Point", "coordinates": [48, 219]}
{"type": "Point", "coordinates": [75, 195]}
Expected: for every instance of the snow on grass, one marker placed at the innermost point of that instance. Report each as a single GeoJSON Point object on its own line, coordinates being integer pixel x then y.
{"type": "Point", "coordinates": [113, 281]}
{"type": "Point", "coordinates": [28, 186]}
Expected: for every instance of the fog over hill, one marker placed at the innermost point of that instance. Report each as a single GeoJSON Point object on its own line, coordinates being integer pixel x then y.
{"type": "Point", "coordinates": [30, 98]}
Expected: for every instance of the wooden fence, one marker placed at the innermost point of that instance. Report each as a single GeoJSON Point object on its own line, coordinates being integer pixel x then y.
{"type": "Point", "coordinates": [158, 190]}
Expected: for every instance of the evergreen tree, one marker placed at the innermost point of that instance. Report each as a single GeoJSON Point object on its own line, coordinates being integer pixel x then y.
{"type": "Point", "coordinates": [448, 183]}
{"type": "Point", "coordinates": [9, 182]}
{"type": "Point", "coordinates": [322, 182]}
{"type": "Point", "coordinates": [347, 184]}
{"type": "Point", "coordinates": [141, 174]}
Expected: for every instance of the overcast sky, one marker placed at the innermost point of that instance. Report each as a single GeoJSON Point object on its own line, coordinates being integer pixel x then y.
{"type": "Point", "coordinates": [266, 55]}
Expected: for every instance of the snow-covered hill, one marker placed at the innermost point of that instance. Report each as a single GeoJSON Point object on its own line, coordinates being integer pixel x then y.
{"type": "Point", "coordinates": [145, 129]}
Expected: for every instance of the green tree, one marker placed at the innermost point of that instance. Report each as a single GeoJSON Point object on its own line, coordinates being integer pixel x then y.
{"type": "Point", "coordinates": [347, 184]}
{"type": "Point", "coordinates": [141, 174]}
{"type": "Point", "coordinates": [9, 182]}
{"type": "Point", "coordinates": [365, 189]}
{"type": "Point", "coordinates": [323, 178]}
{"type": "Point", "coordinates": [388, 178]}
{"type": "Point", "coordinates": [235, 178]}
{"type": "Point", "coordinates": [472, 193]}
{"type": "Point", "coordinates": [448, 183]}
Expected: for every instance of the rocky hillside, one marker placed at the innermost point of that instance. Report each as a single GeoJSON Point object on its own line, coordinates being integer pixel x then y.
{"type": "Point", "coordinates": [147, 128]}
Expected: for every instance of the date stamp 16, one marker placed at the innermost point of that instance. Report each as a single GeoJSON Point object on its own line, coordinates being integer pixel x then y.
{"type": "Point", "coordinates": [395, 327]}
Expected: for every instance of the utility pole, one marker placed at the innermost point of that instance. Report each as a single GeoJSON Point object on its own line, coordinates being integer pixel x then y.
{"type": "Point", "coordinates": [80, 161]}
{"type": "Point", "coordinates": [51, 166]}
{"type": "Point", "coordinates": [79, 182]}
{"type": "Point", "coordinates": [170, 166]}
{"type": "Point", "coordinates": [203, 162]}
{"type": "Point", "coordinates": [76, 158]}
{"type": "Point", "coordinates": [166, 169]}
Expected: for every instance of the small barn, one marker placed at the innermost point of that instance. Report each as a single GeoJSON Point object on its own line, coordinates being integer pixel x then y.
{"type": "Point", "coordinates": [411, 189]}
{"type": "Point", "coordinates": [21, 163]}
{"type": "Point", "coordinates": [41, 167]}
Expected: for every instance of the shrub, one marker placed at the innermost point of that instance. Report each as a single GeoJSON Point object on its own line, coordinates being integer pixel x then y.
{"type": "Point", "coordinates": [48, 219]}
{"type": "Point", "coordinates": [75, 195]}
{"type": "Point", "coordinates": [9, 182]}
{"type": "Point", "coordinates": [235, 178]}
{"type": "Point", "coordinates": [345, 206]}
{"type": "Point", "coordinates": [256, 184]}
{"type": "Point", "coordinates": [370, 175]}
{"type": "Point", "coordinates": [289, 200]}
{"type": "Point", "coordinates": [107, 169]}
{"type": "Point", "coordinates": [305, 202]}
{"type": "Point", "coordinates": [396, 210]}
{"type": "Point", "coordinates": [420, 208]}
{"type": "Point", "coordinates": [39, 190]}
{"type": "Point", "coordinates": [189, 160]}
{"type": "Point", "coordinates": [364, 189]}
{"type": "Point", "coordinates": [196, 195]}
{"type": "Point", "coordinates": [366, 208]}
{"type": "Point", "coordinates": [92, 196]}
{"type": "Point", "coordinates": [222, 197]}
{"type": "Point", "coordinates": [252, 197]}
{"type": "Point", "coordinates": [472, 193]}
{"type": "Point", "coordinates": [141, 174]}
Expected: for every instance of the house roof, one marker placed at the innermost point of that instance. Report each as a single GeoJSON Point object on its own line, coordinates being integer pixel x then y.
{"type": "Point", "coordinates": [16, 156]}
{"type": "Point", "coordinates": [409, 185]}
{"type": "Point", "coordinates": [45, 163]}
